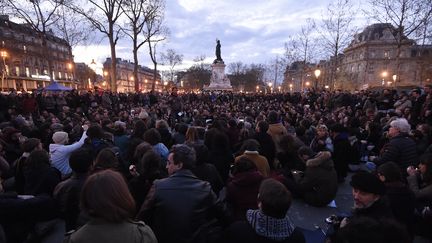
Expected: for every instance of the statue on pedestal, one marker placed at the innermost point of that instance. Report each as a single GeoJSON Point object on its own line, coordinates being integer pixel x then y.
{"type": "Point", "coordinates": [218, 52]}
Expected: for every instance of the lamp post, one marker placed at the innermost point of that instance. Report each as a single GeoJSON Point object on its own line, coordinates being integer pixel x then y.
{"type": "Point", "coordinates": [270, 84]}
{"type": "Point", "coordinates": [317, 73]}
{"type": "Point", "coordinates": [279, 88]}
{"type": "Point", "coordinates": [383, 75]}
{"type": "Point", "coordinates": [291, 87]}
{"type": "Point", "coordinates": [93, 66]}
{"type": "Point", "coordinates": [257, 88]}
{"type": "Point", "coordinates": [3, 54]}
{"type": "Point", "coordinates": [394, 77]}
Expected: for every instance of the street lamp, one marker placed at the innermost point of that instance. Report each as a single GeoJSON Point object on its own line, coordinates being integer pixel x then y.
{"type": "Point", "coordinates": [307, 83]}
{"type": "Point", "coordinates": [279, 88]}
{"type": "Point", "coordinates": [93, 66]}
{"type": "Point", "coordinates": [270, 86]}
{"type": "Point", "coordinates": [291, 87]}
{"type": "Point", "coordinates": [384, 75]}
{"type": "Point", "coordinates": [394, 79]}
{"type": "Point", "coordinates": [257, 88]}
{"type": "Point", "coordinates": [3, 54]}
{"type": "Point", "coordinates": [317, 73]}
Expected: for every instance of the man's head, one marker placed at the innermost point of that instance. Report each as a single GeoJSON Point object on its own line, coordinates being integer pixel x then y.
{"type": "Point", "coordinates": [274, 199]}
{"type": "Point", "coordinates": [81, 160]}
{"type": "Point", "coordinates": [180, 157]}
{"type": "Point", "coordinates": [305, 153]}
{"type": "Point", "coordinates": [366, 189]}
{"type": "Point", "coordinates": [398, 126]}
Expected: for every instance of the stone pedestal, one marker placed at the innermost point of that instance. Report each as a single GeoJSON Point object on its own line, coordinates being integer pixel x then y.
{"type": "Point", "coordinates": [218, 80]}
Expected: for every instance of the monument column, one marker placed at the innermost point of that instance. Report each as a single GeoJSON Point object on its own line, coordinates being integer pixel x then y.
{"type": "Point", "coordinates": [218, 80]}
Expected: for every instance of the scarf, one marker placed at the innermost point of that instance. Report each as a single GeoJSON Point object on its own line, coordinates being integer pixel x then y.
{"type": "Point", "coordinates": [269, 227]}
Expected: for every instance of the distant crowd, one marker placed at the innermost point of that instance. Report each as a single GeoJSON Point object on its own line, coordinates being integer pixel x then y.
{"type": "Point", "coordinates": [213, 166]}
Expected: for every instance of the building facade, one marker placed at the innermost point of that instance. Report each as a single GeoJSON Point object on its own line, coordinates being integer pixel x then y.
{"type": "Point", "coordinates": [125, 78]}
{"type": "Point", "coordinates": [371, 60]}
{"type": "Point", "coordinates": [25, 63]}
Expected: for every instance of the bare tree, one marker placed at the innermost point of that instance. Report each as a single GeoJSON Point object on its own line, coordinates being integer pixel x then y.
{"type": "Point", "coordinates": [274, 70]}
{"type": "Point", "coordinates": [301, 47]}
{"type": "Point", "coordinates": [135, 11]}
{"type": "Point", "coordinates": [336, 31]}
{"type": "Point", "coordinates": [72, 27]}
{"type": "Point", "coordinates": [154, 31]}
{"type": "Point", "coordinates": [103, 15]}
{"type": "Point", "coordinates": [40, 16]}
{"type": "Point", "coordinates": [172, 59]}
{"type": "Point", "coordinates": [407, 16]}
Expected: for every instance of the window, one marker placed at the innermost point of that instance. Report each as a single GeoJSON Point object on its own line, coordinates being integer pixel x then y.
{"type": "Point", "coordinates": [372, 54]}
{"type": "Point", "coordinates": [17, 71]}
{"type": "Point", "coordinates": [37, 71]}
{"type": "Point", "coordinates": [27, 70]}
{"type": "Point", "coordinates": [7, 69]}
{"type": "Point", "coordinates": [53, 75]}
{"type": "Point", "coordinates": [25, 49]}
{"type": "Point", "coordinates": [66, 76]}
{"type": "Point", "coordinates": [60, 75]}
{"type": "Point", "coordinates": [45, 72]}
{"type": "Point", "coordinates": [386, 54]}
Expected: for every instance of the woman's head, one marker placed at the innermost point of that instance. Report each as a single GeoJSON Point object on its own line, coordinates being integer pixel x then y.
{"type": "Point", "coordinates": [425, 167]}
{"type": "Point", "coordinates": [105, 195]}
{"type": "Point", "coordinates": [322, 131]}
{"type": "Point", "coordinates": [106, 159]}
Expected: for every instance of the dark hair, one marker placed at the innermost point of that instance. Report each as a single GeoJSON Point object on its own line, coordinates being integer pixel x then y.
{"type": "Point", "coordinates": [184, 154]}
{"type": "Point", "coordinates": [367, 229]}
{"type": "Point", "coordinates": [106, 159]}
{"type": "Point", "coordinates": [391, 172]}
{"type": "Point", "coordinates": [426, 159]}
{"type": "Point", "coordinates": [139, 129]}
{"type": "Point", "coordinates": [272, 117]}
{"type": "Point", "coordinates": [250, 145]}
{"type": "Point", "coordinates": [95, 131]}
{"type": "Point", "coordinates": [30, 144]}
{"type": "Point", "coordinates": [275, 198]}
{"type": "Point", "coordinates": [243, 164]}
{"type": "Point", "coordinates": [38, 158]}
{"type": "Point", "coordinates": [140, 150]}
{"type": "Point", "coordinates": [149, 165]}
{"type": "Point", "coordinates": [263, 126]}
{"type": "Point", "coordinates": [81, 160]}
{"type": "Point", "coordinates": [105, 195]}
{"type": "Point", "coordinates": [152, 136]}
{"type": "Point", "coordinates": [202, 153]}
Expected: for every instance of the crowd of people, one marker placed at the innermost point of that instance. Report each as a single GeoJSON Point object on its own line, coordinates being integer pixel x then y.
{"type": "Point", "coordinates": [212, 166]}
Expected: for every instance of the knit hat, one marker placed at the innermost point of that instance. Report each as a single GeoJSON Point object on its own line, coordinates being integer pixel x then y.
{"type": "Point", "coordinates": [367, 182]}
{"type": "Point", "coordinates": [143, 115]}
{"type": "Point", "coordinates": [60, 137]}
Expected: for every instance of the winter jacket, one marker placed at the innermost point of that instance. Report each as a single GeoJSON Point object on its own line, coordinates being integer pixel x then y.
{"type": "Point", "coordinates": [319, 183]}
{"type": "Point", "coordinates": [400, 149]}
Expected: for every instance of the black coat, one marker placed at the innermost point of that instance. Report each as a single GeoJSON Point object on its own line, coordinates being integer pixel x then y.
{"type": "Point", "coordinates": [342, 155]}
{"type": "Point", "coordinates": [176, 206]}
{"type": "Point", "coordinates": [267, 147]}
{"type": "Point", "coordinates": [67, 194]}
{"type": "Point", "coordinates": [400, 149]}
{"type": "Point", "coordinates": [208, 172]}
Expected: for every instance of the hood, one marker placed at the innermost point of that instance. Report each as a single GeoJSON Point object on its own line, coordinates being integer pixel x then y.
{"type": "Point", "coordinates": [321, 159]}
{"type": "Point", "coordinates": [269, 227]}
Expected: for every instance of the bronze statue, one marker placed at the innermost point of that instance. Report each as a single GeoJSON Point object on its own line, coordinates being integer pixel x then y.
{"type": "Point", "coordinates": [218, 52]}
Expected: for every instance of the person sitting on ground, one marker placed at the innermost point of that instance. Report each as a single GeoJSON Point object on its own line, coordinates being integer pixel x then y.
{"type": "Point", "coordinates": [270, 222]}
{"type": "Point", "coordinates": [242, 187]}
{"type": "Point", "coordinates": [250, 150]}
{"type": "Point", "coordinates": [106, 199]}
{"type": "Point", "coordinates": [318, 185]}
{"type": "Point", "coordinates": [322, 141]}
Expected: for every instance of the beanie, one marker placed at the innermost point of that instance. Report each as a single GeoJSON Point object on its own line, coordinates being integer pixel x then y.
{"type": "Point", "coordinates": [367, 182]}
{"type": "Point", "coordinates": [60, 137]}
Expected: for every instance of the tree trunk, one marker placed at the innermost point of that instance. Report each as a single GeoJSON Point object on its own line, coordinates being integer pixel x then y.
{"type": "Point", "coordinates": [135, 71]}
{"type": "Point", "coordinates": [113, 62]}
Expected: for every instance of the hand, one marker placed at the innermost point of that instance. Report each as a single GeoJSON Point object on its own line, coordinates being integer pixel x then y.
{"type": "Point", "coordinates": [411, 171]}
{"type": "Point", "coordinates": [85, 127]}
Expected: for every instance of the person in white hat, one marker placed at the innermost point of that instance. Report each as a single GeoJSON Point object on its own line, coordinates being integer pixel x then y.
{"type": "Point", "coordinates": [60, 152]}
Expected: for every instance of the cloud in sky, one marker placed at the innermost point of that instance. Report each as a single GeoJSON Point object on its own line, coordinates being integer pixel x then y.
{"type": "Point", "coordinates": [251, 31]}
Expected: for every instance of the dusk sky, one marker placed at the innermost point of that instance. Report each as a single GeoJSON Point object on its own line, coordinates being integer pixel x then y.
{"type": "Point", "coordinates": [251, 31]}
